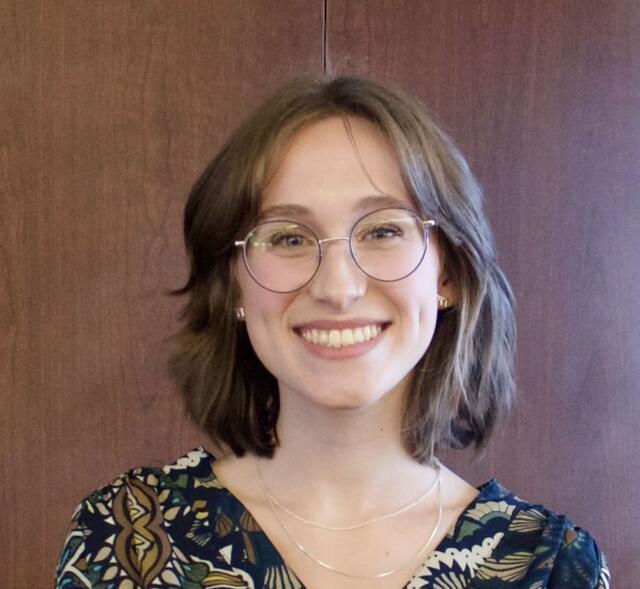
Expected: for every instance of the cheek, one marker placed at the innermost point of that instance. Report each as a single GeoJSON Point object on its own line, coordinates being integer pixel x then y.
{"type": "Point", "coordinates": [416, 301]}
{"type": "Point", "coordinates": [255, 299]}
{"type": "Point", "coordinates": [417, 294]}
{"type": "Point", "coordinates": [269, 336]}
{"type": "Point", "coordinates": [265, 321]}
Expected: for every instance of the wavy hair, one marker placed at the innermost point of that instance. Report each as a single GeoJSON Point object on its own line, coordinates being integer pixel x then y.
{"type": "Point", "coordinates": [464, 382]}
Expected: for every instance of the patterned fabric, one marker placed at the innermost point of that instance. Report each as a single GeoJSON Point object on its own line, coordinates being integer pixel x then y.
{"type": "Point", "coordinates": [177, 526]}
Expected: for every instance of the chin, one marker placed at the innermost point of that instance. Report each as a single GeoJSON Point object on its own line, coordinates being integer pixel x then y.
{"type": "Point", "coordinates": [353, 399]}
{"type": "Point", "coordinates": [348, 403]}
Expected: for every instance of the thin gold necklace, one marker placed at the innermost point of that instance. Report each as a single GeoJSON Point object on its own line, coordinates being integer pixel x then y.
{"type": "Point", "coordinates": [308, 522]}
{"type": "Point", "coordinates": [353, 575]}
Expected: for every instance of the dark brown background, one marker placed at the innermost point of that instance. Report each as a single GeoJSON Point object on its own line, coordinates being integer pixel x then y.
{"type": "Point", "coordinates": [109, 110]}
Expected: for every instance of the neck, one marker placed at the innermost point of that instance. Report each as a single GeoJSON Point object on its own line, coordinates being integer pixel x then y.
{"type": "Point", "coordinates": [349, 462]}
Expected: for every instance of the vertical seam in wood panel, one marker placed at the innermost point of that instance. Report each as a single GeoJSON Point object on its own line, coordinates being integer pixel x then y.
{"type": "Point", "coordinates": [324, 38]}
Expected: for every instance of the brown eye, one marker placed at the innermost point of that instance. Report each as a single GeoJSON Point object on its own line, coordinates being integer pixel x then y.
{"type": "Point", "coordinates": [287, 240]}
{"type": "Point", "coordinates": [381, 232]}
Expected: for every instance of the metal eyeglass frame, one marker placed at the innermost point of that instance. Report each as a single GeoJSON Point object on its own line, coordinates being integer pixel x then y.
{"type": "Point", "coordinates": [425, 223]}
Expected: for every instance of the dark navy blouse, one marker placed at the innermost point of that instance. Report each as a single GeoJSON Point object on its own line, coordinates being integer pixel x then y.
{"type": "Point", "coordinates": [177, 526]}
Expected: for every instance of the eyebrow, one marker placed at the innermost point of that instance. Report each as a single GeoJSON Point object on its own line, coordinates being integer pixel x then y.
{"type": "Point", "coordinates": [372, 202]}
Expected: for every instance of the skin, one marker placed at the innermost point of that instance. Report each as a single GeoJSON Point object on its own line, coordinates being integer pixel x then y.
{"type": "Point", "coordinates": [340, 458]}
{"type": "Point", "coordinates": [321, 172]}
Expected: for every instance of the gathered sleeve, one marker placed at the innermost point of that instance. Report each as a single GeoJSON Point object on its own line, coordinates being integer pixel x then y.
{"type": "Point", "coordinates": [580, 564]}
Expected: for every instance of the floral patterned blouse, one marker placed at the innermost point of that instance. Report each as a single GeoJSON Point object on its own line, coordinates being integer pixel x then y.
{"type": "Point", "coordinates": [177, 526]}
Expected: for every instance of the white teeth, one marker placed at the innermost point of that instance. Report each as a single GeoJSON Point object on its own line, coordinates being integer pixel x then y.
{"type": "Point", "coordinates": [335, 338]}
{"type": "Point", "coordinates": [347, 337]}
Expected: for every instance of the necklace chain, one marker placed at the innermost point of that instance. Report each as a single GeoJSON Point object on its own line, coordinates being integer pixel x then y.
{"type": "Point", "coordinates": [327, 566]}
{"type": "Point", "coordinates": [378, 518]}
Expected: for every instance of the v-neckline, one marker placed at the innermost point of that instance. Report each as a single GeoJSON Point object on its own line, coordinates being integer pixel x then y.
{"type": "Point", "coordinates": [484, 489]}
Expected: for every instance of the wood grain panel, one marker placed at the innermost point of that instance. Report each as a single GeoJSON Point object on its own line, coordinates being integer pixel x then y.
{"type": "Point", "coordinates": [544, 98]}
{"type": "Point", "coordinates": [109, 110]}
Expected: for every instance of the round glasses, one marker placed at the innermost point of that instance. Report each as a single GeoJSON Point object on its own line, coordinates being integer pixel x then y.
{"type": "Point", "coordinates": [386, 244]}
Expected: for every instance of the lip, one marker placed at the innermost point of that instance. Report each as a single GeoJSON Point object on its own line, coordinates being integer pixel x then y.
{"type": "Point", "coordinates": [348, 352]}
{"type": "Point", "coordinates": [328, 324]}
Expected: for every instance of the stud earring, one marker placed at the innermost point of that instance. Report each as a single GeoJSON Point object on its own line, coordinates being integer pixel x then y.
{"type": "Point", "coordinates": [443, 302]}
{"type": "Point", "coordinates": [240, 315]}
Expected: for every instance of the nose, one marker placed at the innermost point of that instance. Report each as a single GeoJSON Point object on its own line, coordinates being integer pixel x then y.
{"type": "Point", "coordinates": [339, 282]}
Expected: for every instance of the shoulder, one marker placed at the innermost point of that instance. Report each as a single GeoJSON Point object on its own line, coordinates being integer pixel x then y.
{"type": "Point", "coordinates": [132, 529]}
{"type": "Point", "coordinates": [537, 547]}
{"type": "Point", "coordinates": [157, 491]}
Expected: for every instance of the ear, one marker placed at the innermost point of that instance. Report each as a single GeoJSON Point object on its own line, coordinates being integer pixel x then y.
{"type": "Point", "coordinates": [447, 288]}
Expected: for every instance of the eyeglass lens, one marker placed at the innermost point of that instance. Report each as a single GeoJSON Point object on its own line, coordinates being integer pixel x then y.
{"type": "Point", "coordinates": [387, 245]}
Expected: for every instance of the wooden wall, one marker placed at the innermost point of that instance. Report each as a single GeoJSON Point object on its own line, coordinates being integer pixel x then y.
{"type": "Point", "coordinates": [109, 110]}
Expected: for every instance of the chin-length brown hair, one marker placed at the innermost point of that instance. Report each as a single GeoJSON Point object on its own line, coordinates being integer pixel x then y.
{"type": "Point", "coordinates": [464, 381]}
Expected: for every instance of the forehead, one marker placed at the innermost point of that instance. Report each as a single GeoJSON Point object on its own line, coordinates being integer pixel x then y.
{"type": "Point", "coordinates": [335, 166]}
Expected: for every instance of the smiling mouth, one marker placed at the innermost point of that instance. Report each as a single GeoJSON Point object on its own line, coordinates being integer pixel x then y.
{"type": "Point", "coordinates": [342, 338]}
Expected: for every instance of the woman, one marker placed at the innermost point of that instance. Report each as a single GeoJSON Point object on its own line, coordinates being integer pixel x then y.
{"type": "Point", "coordinates": [346, 318]}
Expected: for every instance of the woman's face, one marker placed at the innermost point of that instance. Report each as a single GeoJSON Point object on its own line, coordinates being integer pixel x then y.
{"type": "Point", "coordinates": [321, 184]}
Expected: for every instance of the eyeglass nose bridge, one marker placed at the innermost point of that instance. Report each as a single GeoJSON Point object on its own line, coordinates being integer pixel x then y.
{"type": "Point", "coordinates": [321, 243]}
{"type": "Point", "coordinates": [327, 239]}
